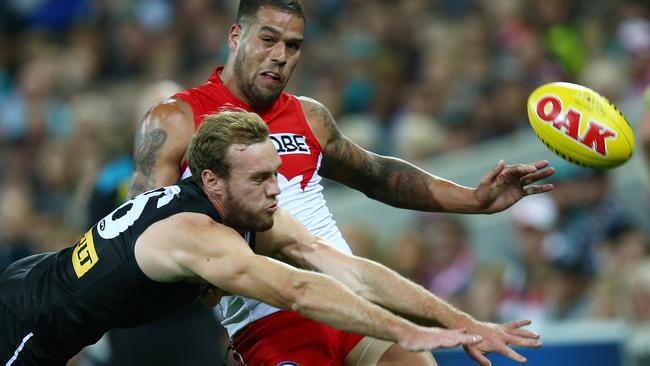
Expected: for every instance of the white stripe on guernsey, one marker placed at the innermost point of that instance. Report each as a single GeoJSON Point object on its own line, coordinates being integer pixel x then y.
{"type": "Point", "coordinates": [20, 348]}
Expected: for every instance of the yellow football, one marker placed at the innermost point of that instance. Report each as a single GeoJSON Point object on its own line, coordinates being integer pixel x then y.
{"type": "Point", "coordinates": [580, 125]}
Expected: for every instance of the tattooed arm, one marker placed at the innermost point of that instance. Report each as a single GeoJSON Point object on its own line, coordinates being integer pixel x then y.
{"type": "Point", "coordinates": [401, 184]}
{"type": "Point", "coordinates": [160, 146]}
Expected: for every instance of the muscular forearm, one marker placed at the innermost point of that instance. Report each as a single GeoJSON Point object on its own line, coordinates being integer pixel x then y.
{"type": "Point", "coordinates": [401, 184]}
{"type": "Point", "coordinates": [376, 283]}
{"type": "Point", "coordinates": [312, 294]}
{"type": "Point", "coordinates": [386, 179]}
{"type": "Point", "coordinates": [392, 291]}
{"type": "Point", "coordinates": [328, 301]}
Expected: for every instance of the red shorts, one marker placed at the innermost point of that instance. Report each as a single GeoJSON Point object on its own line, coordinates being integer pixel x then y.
{"type": "Point", "coordinates": [287, 338]}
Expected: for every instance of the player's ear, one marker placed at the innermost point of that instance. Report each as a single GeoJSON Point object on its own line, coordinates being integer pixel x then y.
{"type": "Point", "coordinates": [234, 36]}
{"type": "Point", "coordinates": [212, 182]}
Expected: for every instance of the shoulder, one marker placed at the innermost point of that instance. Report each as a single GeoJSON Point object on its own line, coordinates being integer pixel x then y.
{"type": "Point", "coordinates": [320, 120]}
{"type": "Point", "coordinates": [171, 113]}
{"type": "Point", "coordinates": [194, 231]}
{"type": "Point", "coordinates": [311, 105]}
{"type": "Point", "coordinates": [171, 118]}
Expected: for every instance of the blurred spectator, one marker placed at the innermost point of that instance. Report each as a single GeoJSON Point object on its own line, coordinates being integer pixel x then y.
{"type": "Point", "coordinates": [567, 291]}
{"type": "Point", "coordinates": [588, 209]}
{"type": "Point", "coordinates": [408, 255]}
{"type": "Point", "coordinates": [15, 224]}
{"type": "Point", "coordinates": [361, 239]}
{"type": "Point", "coordinates": [449, 265]}
{"type": "Point", "coordinates": [483, 296]}
{"type": "Point", "coordinates": [634, 35]}
{"type": "Point", "coordinates": [525, 280]}
{"type": "Point", "coordinates": [625, 246]}
{"type": "Point", "coordinates": [645, 133]}
{"type": "Point", "coordinates": [416, 134]}
{"type": "Point", "coordinates": [636, 309]}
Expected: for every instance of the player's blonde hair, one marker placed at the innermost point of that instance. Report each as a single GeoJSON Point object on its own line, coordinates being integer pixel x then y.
{"type": "Point", "coordinates": [209, 146]}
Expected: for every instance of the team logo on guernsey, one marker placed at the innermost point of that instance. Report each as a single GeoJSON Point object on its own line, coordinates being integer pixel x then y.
{"type": "Point", "coordinates": [288, 363]}
{"type": "Point", "coordinates": [290, 143]}
{"type": "Point", "coordinates": [84, 256]}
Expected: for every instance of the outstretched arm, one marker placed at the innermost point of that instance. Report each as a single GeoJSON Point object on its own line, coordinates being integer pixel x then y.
{"type": "Point", "coordinates": [191, 246]}
{"type": "Point", "coordinates": [385, 287]}
{"type": "Point", "coordinates": [160, 145]}
{"type": "Point", "coordinates": [401, 184]}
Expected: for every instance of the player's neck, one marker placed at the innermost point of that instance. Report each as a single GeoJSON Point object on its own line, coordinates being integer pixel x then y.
{"type": "Point", "coordinates": [229, 80]}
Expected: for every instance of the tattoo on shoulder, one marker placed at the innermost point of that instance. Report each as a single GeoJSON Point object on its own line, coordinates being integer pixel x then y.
{"type": "Point", "coordinates": [337, 148]}
{"type": "Point", "coordinates": [146, 147]}
{"type": "Point", "coordinates": [328, 122]}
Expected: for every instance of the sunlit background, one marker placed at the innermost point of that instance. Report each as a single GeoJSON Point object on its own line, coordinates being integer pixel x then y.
{"type": "Point", "coordinates": [442, 83]}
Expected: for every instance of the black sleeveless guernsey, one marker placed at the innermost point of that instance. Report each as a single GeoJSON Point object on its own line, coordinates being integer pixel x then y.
{"type": "Point", "coordinates": [72, 297]}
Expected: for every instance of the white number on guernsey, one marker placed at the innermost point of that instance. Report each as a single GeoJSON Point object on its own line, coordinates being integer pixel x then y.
{"type": "Point", "coordinates": [110, 227]}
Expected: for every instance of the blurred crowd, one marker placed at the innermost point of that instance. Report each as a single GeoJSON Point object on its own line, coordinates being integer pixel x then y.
{"type": "Point", "coordinates": [413, 79]}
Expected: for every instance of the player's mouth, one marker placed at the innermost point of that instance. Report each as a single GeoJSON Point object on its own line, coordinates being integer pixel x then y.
{"type": "Point", "coordinates": [271, 77]}
{"type": "Point", "coordinates": [271, 209]}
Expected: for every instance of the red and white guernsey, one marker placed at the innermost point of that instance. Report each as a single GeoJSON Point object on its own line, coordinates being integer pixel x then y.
{"type": "Point", "coordinates": [298, 177]}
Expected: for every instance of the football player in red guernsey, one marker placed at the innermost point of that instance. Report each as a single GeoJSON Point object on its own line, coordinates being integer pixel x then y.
{"type": "Point", "coordinates": [265, 44]}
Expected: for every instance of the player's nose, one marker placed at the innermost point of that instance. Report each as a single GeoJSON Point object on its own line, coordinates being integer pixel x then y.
{"type": "Point", "coordinates": [279, 54]}
{"type": "Point", "coordinates": [273, 188]}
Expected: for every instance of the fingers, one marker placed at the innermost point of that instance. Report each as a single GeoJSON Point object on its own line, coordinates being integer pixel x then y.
{"type": "Point", "coordinates": [536, 176]}
{"type": "Point", "coordinates": [510, 353]}
{"type": "Point", "coordinates": [521, 337]}
{"type": "Point", "coordinates": [521, 170]}
{"type": "Point", "coordinates": [523, 333]}
{"type": "Point", "coordinates": [541, 164]}
{"type": "Point", "coordinates": [538, 189]}
{"type": "Point", "coordinates": [525, 342]}
{"type": "Point", "coordinates": [477, 356]}
{"type": "Point", "coordinates": [517, 323]}
{"type": "Point", "coordinates": [495, 171]}
{"type": "Point", "coordinates": [530, 172]}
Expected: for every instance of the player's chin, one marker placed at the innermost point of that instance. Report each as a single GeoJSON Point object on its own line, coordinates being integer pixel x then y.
{"type": "Point", "coordinates": [265, 222]}
{"type": "Point", "coordinates": [271, 90]}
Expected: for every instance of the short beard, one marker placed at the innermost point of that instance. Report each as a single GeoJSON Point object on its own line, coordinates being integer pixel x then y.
{"type": "Point", "coordinates": [239, 218]}
{"type": "Point", "coordinates": [258, 100]}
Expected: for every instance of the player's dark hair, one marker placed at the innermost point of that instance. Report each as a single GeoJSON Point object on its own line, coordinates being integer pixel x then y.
{"type": "Point", "coordinates": [209, 146]}
{"type": "Point", "coordinates": [248, 9]}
